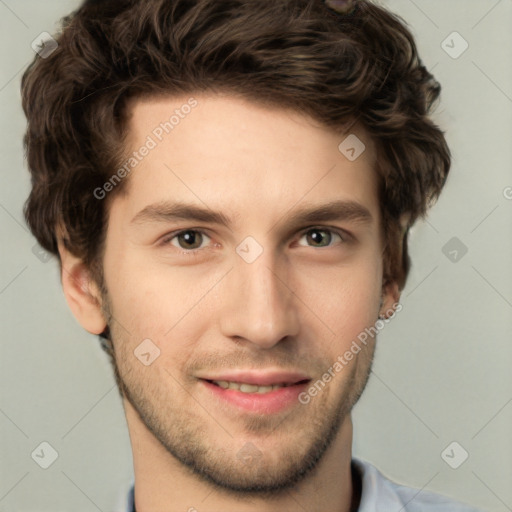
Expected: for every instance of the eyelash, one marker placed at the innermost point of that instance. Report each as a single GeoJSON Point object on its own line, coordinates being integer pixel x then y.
{"type": "Point", "coordinates": [195, 252]}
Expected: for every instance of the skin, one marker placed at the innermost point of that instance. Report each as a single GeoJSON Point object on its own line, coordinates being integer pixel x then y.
{"type": "Point", "coordinates": [298, 306]}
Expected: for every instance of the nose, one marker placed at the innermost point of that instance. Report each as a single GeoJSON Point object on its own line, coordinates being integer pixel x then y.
{"type": "Point", "coordinates": [260, 307]}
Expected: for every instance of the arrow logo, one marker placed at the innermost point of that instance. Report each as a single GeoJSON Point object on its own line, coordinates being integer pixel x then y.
{"type": "Point", "coordinates": [44, 455]}
{"type": "Point", "coordinates": [249, 249]}
{"type": "Point", "coordinates": [44, 44]}
{"type": "Point", "coordinates": [454, 455]}
{"type": "Point", "coordinates": [454, 249]}
{"type": "Point", "coordinates": [351, 147]}
{"type": "Point", "coordinates": [146, 352]}
{"type": "Point", "coordinates": [249, 454]}
{"type": "Point", "coordinates": [454, 45]}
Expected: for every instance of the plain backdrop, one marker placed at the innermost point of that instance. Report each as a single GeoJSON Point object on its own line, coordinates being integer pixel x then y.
{"type": "Point", "coordinates": [442, 368]}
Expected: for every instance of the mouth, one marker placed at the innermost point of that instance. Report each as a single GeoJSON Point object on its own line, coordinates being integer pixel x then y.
{"type": "Point", "coordinates": [268, 397]}
{"type": "Point", "coordinates": [253, 388]}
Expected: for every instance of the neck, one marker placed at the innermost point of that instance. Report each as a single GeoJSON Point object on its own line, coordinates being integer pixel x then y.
{"type": "Point", "coordinates": [163, 484]}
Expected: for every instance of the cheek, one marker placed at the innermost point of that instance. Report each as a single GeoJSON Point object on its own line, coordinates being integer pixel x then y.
{"type": "Point", "coordinates": [151, 301]}
{"type": "Point", "coordinates": [360, 312]}
{"type": "Point", "coordinates": [137, 297]}
{"type": "Point", "coordinates": [339, 303]}
{"type": "Point", "coordinates": [345, 299]}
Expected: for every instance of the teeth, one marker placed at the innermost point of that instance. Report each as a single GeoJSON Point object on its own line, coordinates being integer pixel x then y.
{"type": "Point", "coordinates": [248, 388]}
{"type": "Point", "coordinates": [266, 389]}
{"type": "Point", "coordinates": [245, 388]}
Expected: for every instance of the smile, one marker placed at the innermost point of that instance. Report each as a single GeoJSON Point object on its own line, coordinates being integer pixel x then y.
{"type": "Point", "coordinates": [248, 388]}
{"type": "Point", "coordinates": [262, 399]}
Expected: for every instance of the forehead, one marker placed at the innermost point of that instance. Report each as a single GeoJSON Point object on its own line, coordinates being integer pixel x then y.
{"type": "Point", "coordinates": [225, 151]}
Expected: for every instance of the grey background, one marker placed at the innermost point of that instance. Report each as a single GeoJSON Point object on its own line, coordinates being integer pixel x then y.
{"type": "Point", "coordinates": [442, 369]}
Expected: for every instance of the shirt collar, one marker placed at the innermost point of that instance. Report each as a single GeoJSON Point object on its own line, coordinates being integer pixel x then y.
{"type": "Point", "coordinates": [373, 488]}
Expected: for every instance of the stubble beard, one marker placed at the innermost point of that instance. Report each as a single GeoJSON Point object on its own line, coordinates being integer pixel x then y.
{"type": "Point", "coordinates": [305, 435]}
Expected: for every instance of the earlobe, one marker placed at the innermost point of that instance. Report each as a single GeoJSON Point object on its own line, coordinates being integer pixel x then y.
{"type": "Point", "coordinates": [390, 299]}
{"type": "Point", "coordinates": [81, 292]}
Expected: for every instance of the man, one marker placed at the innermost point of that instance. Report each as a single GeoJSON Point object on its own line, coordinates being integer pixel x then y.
{"type": "Point", "coordinates": [228, 186]}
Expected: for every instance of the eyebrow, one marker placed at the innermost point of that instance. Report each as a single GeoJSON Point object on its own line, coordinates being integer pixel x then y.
{"type": "Point", "coordinates": [338, 210]}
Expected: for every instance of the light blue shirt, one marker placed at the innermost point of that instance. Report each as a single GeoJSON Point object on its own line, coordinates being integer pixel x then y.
{"type": "Point", "coordinates": [378, 494]}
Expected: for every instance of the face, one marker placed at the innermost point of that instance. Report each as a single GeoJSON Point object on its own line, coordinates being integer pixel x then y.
{"type": "Point", "coordinates": [267, 285]}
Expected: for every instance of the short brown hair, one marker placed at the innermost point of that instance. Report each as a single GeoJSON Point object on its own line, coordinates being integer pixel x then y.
{"type": "Point", "coordinates": [334, 60]}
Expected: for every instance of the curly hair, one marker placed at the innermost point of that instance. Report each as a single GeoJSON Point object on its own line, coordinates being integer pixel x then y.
{"type": "Point", "coordinates": [336, 61]}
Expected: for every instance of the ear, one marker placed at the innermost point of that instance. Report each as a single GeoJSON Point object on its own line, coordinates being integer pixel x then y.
{"type": "Point", "coordinates": [82, 294]}
{"type": "Point", "coordinates": [390, 299]}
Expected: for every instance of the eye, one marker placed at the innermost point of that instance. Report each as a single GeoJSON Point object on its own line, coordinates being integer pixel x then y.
{"type": "Point", "coordinates": [321, 235]}
{"type": "Point", "coordinates": [189, 239]}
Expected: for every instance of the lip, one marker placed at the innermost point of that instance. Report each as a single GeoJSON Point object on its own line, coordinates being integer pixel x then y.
{"type": "Point", "coordinates": [259, 378]}
{"type": "Point", "coordinates": [271, 402]}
